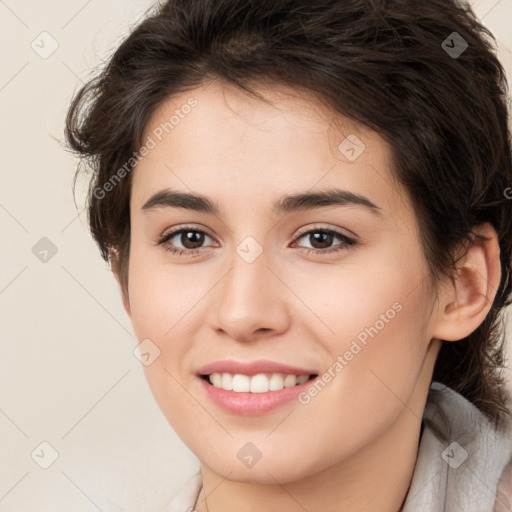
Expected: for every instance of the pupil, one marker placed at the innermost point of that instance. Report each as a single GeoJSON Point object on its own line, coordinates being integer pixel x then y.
{"type": "Point", "coordinates": [323, 235]}
{"type": "Point", "coordinates": [188, 238]}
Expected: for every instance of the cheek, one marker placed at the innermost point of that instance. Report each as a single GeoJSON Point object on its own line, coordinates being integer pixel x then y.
{"type": "Point", "coordinates": [167, 305]}
{"type": "Point", "coordinates": [373, 324]}
{"type": "Point", "coordinates": [377, 299]}
{"type": "Point", "coordinates": [371, 371]}
{"type": "Point", "coordinates": [161, 296]}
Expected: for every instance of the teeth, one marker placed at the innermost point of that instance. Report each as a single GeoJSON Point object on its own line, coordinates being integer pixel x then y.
{"type": "Point", "coordinates": [260, 383]}
{"type": "Point", "coordinates": [226, 381]}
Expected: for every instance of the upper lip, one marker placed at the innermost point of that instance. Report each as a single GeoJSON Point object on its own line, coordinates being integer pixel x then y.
{"type": "Point", "coordinates": [252, 368]}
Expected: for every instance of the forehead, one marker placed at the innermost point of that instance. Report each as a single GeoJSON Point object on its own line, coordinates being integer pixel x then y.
{"type": "Point", "coordinates": [230, 145]}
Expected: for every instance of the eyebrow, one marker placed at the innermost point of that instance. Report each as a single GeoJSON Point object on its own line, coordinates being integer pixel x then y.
{"type": "Point", "coordinates": [306, 201]}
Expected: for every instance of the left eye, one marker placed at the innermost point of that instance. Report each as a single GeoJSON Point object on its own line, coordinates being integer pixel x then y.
{"type": "Point", "coordinates": [325, 237]}
{"type": "Point", "coordinates": [193, 238]}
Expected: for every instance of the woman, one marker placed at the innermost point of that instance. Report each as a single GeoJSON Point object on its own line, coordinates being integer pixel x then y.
{"type": "Point", "coordinates": [330, 337]}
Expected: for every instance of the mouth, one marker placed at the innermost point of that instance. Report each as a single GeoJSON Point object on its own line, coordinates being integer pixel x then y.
{"type": "Point", "coordinates": [259, 383]}
{"type": "Point", "coordinates": [256, 394]}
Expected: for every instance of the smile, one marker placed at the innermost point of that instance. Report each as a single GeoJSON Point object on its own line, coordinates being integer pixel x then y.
{"type": "Point", "coordinates": [254, 395]}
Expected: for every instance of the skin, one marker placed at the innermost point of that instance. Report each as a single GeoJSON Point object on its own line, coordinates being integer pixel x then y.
{"type": "Point", "coordinates": [353, 447]}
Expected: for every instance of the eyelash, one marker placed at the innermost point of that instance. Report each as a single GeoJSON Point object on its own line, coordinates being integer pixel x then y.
{"type": "Point", "coordinates": [347, 242]}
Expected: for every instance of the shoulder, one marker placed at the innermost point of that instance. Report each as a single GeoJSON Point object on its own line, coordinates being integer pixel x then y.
{"type": "Point", "coordinates": [463, 462]}
{"type": "Point", "coordinates": [504, 491]}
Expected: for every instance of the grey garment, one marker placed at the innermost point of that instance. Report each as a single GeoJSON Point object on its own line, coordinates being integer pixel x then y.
{"type": "Point", "coordinates": [461, 458]}
{"type": "Point", "coordinates": [463, 464]}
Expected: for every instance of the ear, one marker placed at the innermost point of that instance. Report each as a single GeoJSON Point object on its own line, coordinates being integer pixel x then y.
{"type": "Point", "coordinates": [464, 305]}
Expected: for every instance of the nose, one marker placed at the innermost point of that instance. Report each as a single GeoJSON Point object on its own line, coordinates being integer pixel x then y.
{"type": "Point", "coordinates": [251, 300]}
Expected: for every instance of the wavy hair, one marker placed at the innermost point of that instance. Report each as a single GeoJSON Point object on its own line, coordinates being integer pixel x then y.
{"type": "Point", "coordinates": [395, 66]}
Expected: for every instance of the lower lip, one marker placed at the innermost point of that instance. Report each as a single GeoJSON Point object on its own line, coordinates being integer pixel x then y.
{"type": "Point", "coordinates": [253, 404]}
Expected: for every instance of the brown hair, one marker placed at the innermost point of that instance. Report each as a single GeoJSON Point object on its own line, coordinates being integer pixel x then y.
{"type": "Point", "coordinates": [395, 66]}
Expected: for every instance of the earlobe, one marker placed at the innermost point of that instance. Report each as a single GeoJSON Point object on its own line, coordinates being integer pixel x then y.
{"type": "Point", "coordinates": [464, 304]}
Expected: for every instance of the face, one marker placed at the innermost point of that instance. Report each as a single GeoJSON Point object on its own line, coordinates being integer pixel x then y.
{"type": "Point", "coordinates": [333, 285]}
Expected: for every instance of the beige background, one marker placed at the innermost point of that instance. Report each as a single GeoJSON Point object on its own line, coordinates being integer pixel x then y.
{"type": "Point", "coordinates": [68, 374]}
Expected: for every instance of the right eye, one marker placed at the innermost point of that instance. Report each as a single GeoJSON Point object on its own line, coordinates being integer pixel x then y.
{"type": "Point", "coordinates": [185, 239]}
